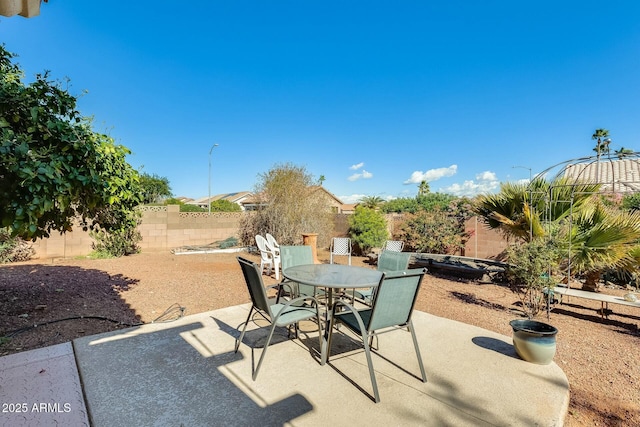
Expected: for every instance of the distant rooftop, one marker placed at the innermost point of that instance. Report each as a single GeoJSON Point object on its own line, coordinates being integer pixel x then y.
{"type": "Point", "coordinates": [618, 176]}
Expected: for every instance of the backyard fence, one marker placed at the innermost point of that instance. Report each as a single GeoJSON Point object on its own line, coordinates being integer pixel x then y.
{"type": "Point", "coordinates": [164, 228]}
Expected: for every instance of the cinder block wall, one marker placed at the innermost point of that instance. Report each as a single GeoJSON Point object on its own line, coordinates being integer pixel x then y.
{"type": "Point", "coordinates": [165, 227]}
{"type": "Point", "coordinates": [484, 242]}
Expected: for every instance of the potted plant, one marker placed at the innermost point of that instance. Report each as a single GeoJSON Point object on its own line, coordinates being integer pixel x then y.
{"type": "Point", "coordinates": [530, 275]}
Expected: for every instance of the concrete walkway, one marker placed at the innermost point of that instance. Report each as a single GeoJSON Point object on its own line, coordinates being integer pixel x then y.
{"type": "Point", "coordinates": [185, 373]}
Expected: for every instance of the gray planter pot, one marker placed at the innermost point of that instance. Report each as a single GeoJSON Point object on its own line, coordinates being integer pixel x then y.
{"type": "Point", "coordinates": [534, 341]}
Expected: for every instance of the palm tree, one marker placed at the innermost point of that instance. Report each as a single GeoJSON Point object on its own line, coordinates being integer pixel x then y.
{"type": "Point", "coordinates": [601, 136]}
{"type": "Point", "coordinates": [623, 152]}
{"type": "Point", "coordinates": [371, 202]}
{"type": "Point", "coordinates": [423, 188]}
{"type": "Point", "coordinates": [592, 236]}
{"type": "Point", "coordinates": [519, 210]}
{"type": "Point", "coordinates": [602, 238]}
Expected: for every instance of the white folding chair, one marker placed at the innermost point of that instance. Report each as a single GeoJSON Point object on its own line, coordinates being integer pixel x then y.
{"type": "Point", "coordinates": [268, 257]}
{"type": "Point", "coordinates": [271, 241]}
{"type": "Point", "coordinates": [340, 246]}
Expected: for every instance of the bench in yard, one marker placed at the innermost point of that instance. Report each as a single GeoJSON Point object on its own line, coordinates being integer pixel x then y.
{"type": "Point", "coordinates": [603, 298]}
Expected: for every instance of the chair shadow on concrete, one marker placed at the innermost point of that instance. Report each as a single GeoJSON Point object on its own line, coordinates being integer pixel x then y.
{"type": "Point", "coordinates": [172, 376]}
{"type": "Point", "coordinates": [256, 338]}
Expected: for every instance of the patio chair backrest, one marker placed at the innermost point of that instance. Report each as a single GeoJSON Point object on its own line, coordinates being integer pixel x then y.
{"type": "Point", "coordinates": [341, 246]}
{"type": "Point", "coordinates": [393, 261]}
{"type": "Point", "coordinates": [271, 241]}
{"type": "Point", "coordinates": [257, 291]}
{"type": "Point", "coordinates": [395, 298]}
{"type": "Point", "coordinates": [393, 245]}
{"type": "Point", "coordinates": [265, 253]}
{"type": "Point", "coordinates": [295, 255]}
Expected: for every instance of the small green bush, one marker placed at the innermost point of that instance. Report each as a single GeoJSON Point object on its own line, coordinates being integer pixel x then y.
{"type": "Point", "coordinates": [115, 244]}
{"type": "Point", "coordinates": [368, 229]}
{"type": "Point", "coordinates": [531, 268]}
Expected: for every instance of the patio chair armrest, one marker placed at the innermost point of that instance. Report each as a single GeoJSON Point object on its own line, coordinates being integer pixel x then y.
{"type": "Point", "coordinates": [352, 309]}
{"type": "Point", "coordinates": [299, 299]}
{"type": "Point", "coordinates": [284, 284]}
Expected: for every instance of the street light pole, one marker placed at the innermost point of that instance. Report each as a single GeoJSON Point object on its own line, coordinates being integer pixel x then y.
{"type": "Point", "coordinates": [524, 167]}
{"type": "Point", "coordinates": [209, 199]}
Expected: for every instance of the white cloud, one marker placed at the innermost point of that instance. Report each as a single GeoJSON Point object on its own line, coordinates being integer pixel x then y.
{"type": "Point", "coordinates": [356, 167]}
{"type": "Point", "coordinates": [485, 182]}
{"type": "Point", "coordinates": [431, 175]}
{"type": "Point", "coordinates": [363, 175]}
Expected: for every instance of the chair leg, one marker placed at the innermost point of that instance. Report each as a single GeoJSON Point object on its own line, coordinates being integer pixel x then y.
{"type": "Point", "coordinates": [365, 340]}
{"type": "Point", "coordinates": [415, 344]}
{"type": "Point", "coordinates": [244, 329]}
{"type": "Point", "coordinates": [264, 352]}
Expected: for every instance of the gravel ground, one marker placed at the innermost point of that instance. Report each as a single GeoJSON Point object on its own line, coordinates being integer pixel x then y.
{"type": "Point", "coordinates": [601, 358]}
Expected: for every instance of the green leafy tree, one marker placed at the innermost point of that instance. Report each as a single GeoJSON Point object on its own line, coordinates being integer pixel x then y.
{"type": "Point", "coordinates": [291, 204]}
{"type": "Point", "coordinates": [54, 169]}
{"type": "Point", "coordinates": [437, 231]}
{"type": "Point", "coordinates": [154, 188]}
{"type": "Point", "coordinates": [225, 206]}
{"type": "Point", "coordinates": [433, 201]}
{"type": "Point", "coordinates": [367, 229]}
{"type": "Point", "coordinates": [401, 205]}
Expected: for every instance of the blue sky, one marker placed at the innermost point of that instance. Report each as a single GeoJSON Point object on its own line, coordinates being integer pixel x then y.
{"type": "Point", "coordinates": [375, 96]}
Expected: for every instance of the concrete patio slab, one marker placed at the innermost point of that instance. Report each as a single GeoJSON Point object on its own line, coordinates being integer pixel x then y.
{"type": "Point", "coordinates": [186, 373]}
{"type": "Point", "coordinates": [41, 388]}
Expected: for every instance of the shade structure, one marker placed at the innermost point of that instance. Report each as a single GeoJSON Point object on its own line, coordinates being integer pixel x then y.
{"type": "Point", "coordinates": [26, 8]}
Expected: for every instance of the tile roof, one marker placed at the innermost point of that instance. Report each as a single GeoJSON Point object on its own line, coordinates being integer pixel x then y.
{"type": "Point", "coordinates": [618, 176]}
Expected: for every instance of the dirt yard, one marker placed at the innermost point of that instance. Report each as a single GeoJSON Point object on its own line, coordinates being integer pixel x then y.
{"type": "Point", "coordinates": [77, 297]}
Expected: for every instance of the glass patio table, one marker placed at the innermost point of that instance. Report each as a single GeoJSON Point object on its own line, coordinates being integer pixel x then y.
{"type": "Point", "coordinates": [330, 277]}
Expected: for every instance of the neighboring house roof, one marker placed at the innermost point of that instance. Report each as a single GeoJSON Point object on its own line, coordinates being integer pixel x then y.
{"type": "Point", "coordinates": [184, 199]}
{"type": "Point", "coordinates": [618, 176]}
{"type": "Point", "coordinates": [255, 200]}
{"type": "Point", "coordinates": [349, 207]}
{"type": "Point", "coordinates": [330, 194]}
